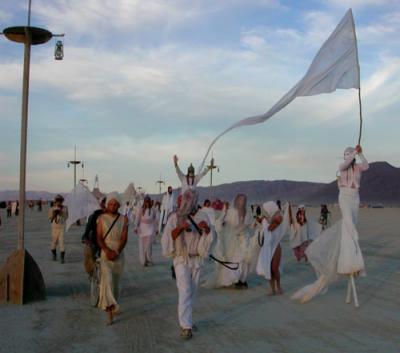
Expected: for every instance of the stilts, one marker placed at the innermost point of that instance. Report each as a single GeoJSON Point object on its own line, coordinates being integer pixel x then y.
{"type": "Point", "coordinates": [351, 288]}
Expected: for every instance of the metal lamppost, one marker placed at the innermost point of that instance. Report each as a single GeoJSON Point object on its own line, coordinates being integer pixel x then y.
{"type": "Point", "coordinates": [20, 277]}
{"type": "Point", "coordinates": [74, 163]}
{"type": "Point", "coordinates": [160, 182]}
{"type": "Point", "coordinates": [83, 181]}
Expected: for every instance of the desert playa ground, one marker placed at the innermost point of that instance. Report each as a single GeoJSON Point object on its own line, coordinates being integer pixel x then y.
{"type": "Point", "coordinates": [228, 320]}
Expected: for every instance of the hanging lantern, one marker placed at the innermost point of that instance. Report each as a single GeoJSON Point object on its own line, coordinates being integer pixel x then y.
{"type": "Point", "coordinates": [59, 50]}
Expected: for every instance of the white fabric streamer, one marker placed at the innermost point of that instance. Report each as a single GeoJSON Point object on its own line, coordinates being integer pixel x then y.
{"type": "Point", "coordinates": [335, 66]}
{"type": "Point", "coordinates": [81, 203]}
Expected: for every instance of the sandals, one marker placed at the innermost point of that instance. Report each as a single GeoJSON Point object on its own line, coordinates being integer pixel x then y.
{"type": "Point", "coordinates": [186, 333]}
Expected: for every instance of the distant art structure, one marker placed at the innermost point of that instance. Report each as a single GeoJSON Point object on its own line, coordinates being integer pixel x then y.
{"type": "Point", "coordinates": [20, 278]}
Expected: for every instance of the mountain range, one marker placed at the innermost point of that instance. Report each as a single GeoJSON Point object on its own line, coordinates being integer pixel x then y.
{"type": "Point", "coordinates": [380, 184]}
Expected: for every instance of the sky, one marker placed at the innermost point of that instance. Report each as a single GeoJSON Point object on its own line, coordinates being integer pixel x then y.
{"type": "Point", "coordinates": [142, 80]}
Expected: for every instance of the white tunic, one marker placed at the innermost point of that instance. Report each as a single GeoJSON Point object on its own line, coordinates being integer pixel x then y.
{"type": "Point", "coordinates": [188, 183]}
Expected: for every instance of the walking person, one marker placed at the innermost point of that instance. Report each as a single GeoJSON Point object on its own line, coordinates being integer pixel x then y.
{"type": "Point", "coordinates": [57, 215]}
{"type": "Point", "coordinates": [112, 235]}
{"type": "Point", "coordinates": [187, 239]}
{"type": "Point", "coordinates": [145, 228]}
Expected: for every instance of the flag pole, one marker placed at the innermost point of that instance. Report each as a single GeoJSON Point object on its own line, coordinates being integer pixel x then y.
{"type": "Point", "coordinates": [359, 79]}
{"type": "Point", "coordinates": [361, 119]}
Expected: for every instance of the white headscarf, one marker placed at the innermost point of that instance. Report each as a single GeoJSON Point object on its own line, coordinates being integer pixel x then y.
{"type": "Point", "coordinates": [271, 208]}
{"type": "Point", "coordinates": [114, 195]}
{"type": "Point", "coordinates": [348, 151]}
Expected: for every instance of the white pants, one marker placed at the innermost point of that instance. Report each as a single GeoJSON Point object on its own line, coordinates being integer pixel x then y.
{"type": "Point", "coordinates": [187, 280]}
{"type": "Point", "coordinates": [145, 249]}
{"type": "Point", "coordinates": [57, 236]}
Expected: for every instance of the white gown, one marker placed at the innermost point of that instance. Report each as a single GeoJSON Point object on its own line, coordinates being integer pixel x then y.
{"type": "Point", "coordinates": [336, 251]}
{"type": "Point", "coordinates": [271, 242]}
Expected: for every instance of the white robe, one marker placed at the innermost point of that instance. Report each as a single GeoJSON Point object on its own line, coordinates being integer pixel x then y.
{"type": "Point", "coordinates": [271, 242]}
{"type": "Point", "coordinates": [336, 251]}
{"type": "Point", "coordinates": [167, 207]}
{"type": "Point", "coordinates": [233, 242]}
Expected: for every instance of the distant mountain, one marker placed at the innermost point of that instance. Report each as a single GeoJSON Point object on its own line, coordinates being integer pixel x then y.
{"type": "Point", "coordinates": [380, 184]}
{"type": "Point", "coordinates": [30, 195]}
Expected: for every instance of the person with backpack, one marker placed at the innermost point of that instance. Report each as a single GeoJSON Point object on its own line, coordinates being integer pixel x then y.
{"type": "Point", "coordinates": [89, 238]}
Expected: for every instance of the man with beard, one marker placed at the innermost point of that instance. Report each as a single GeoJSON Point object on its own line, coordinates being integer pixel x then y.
{"type": "Point", "coordinates": [190, 180]}
{"type": "Point", "coordinates": [187, 239]}
{"type": "Point", "coordinates": [167, 207]}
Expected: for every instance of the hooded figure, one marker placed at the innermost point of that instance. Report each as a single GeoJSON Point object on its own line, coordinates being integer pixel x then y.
{"type": "Point", "coordinates": [233, 242]}
{"type": "Point", "coordinates": [190, 180]}
{"type": "Point", "coordinates": [187, 238]}
{"type": "Point", "coordinates": [336, 251]}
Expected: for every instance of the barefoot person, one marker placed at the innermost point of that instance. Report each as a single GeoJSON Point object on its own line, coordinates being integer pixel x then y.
{"type": "Point", "coordinates": [187, 239]}
{"type": "Point", "coordinates": [190, 180]}
{"type": "Point", "coordinates": [58, 214]}
{"type": "Point", "coordinates": [336, 251]}
{"type": "Point", "coordinates": [112, 235]}
{"type": "Point", "coordinates": [274, 228]}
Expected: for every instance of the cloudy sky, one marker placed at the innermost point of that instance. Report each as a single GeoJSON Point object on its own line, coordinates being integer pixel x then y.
{"type": "Point", "coordinates": [144, 79]}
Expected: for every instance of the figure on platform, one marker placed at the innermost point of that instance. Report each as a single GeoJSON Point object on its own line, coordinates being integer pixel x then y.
{"type": "Point", "coordinates": [190, 180]}
{"type": "Point", "coordinates": [337, 251]}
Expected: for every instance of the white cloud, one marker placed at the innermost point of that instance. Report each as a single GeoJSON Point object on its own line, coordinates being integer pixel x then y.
{"type": "Point", "coordinates": [357, 4]}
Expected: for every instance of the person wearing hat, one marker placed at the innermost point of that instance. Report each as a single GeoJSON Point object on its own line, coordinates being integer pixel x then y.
{"type": "Point", "coordinates": [145, 228]}
{"type": "Point", "coordinates": [190, 180]}
{"type": "Point", "coordinates": [57, 215]}
{"type": "Point", "coordinates": [112, 235]}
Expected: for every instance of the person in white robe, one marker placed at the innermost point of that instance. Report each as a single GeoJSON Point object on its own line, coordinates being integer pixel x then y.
{"type": "Point", "coordinates": [230, 253]}
{"type": "Point", "coordinates": [337, 251]}
{"type": "Point", "coordinates": [274, 228]}
{"type": "Point", "coordinates": [145, 228]}
{"type": "Point", "coordinates": [190, 180]}
{"type": "Point", "coordinates": [112, 235]}
{"type": "Point", "coordinates": [168, 206]}
{"type": "Point", "coordinates": [302, 232]}
{"type": "Point", "coordinates": [187, 238]}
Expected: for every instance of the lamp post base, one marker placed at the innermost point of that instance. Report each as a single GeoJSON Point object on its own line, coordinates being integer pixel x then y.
{"type": "Point", "coordinates": [21, 280]}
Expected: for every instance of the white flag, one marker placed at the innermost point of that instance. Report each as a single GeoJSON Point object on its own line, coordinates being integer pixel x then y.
{"type": "Point", "coordinates": [335, 66]}
{"type": "Point", "coordinates": [81, 203]}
